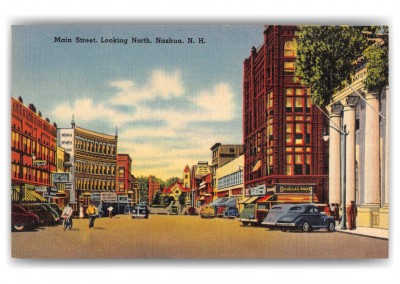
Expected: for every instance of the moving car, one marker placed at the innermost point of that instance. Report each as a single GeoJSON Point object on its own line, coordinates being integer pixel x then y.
{"type": "Point", "coordinates": [140, 211]}
{"type": "Point", "coordinates": [207, 212]}
{"type": "Point", "coordinates": [22, 219]}
{"type": "Point", "coordinates": [305, 217]}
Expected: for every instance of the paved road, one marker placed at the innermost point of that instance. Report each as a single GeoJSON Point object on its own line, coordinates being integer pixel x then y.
{"type": "Point", "coordinates": [163, 236]}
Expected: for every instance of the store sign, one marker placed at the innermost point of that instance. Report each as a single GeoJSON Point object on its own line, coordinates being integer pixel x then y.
{"type": "Point", "coordinates": [39, 163]}
{"type": "Point", "coordinates": [122, 198]}
{"type": "Point", "coordinates": [60, 177]}
{"type": "Point", "coordinates": [96, 196]}
{"type": "Point", "coordinates": [41, 188]}
{"type": "Point", "coordinates": [109, 196]}
{"type": "Point", "coordinates": [258, 190]}
{"type": "Point", "coordinates": [295, 188]}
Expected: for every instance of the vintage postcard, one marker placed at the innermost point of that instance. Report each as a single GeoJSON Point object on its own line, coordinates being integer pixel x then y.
{"type": "Point", "coordinates": [199, 142]}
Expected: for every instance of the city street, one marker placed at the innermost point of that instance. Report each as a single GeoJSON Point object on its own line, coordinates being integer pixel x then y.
{"type": "Point", "coordinates": [163, 236]}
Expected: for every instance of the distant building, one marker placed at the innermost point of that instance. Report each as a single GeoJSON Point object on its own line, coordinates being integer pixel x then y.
{"type": "Point", "coordinates": [197, 173]}
{"type": "Point", "coordinates": [222, 154]}
{"type": "Point", "coordinates": [154, 187]}
{"type": "Point", "coordinates": [94, 159]}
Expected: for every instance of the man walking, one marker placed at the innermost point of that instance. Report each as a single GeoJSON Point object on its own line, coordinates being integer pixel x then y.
{"type": "Point", "coordinates": [92, 212]}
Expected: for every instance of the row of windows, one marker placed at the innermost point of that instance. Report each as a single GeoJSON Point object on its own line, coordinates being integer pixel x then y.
{"type": "Point", "coordinates": [95, 184]}
{"type": "Point", "coordinates": [230, 180]}
{"type": "Point", "coordinates": [29, 173]}
{"type": "Point", "coordinates": [298, 164]}
{"type": "Point", "coordinates": [29, 146]}
{"type": "Point", "coordinates": [95, 146]}
{"type": "Point", "coordinates": [93, 168]}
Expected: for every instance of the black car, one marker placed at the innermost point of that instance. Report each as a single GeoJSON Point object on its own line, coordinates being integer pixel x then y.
{"type": "Point", "coordinates": [305, 217]}
{"type": "Point", "coordinates": [140, 211]}
{"type": "Point", "coordinates": [45, 216]}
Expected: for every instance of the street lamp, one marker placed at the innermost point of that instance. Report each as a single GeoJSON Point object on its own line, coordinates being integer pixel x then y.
{"type": "Point", "coordinates": [343, 133]}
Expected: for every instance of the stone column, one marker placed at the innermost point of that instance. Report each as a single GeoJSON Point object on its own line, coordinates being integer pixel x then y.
{"type": "Point", "coordinates": [372, 162]}
{"type": "Point", "coordinates": [349, 119]}
{"type": "Point", "coordinates": [334, 153]}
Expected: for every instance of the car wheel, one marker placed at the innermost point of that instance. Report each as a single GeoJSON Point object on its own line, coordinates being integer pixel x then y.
{"type": "Point", "coordinates": [19, 227]}
{"type": "Point", "coordinates": [331, 226]}
{"type": "Point", "coordinates": [245, 223]}
{"type": "Point", "coordinates": [283, 229]}
{"type": "Point", "coordinates": [306, 227]}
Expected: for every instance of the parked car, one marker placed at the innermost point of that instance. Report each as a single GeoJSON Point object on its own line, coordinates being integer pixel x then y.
{"type": "Point", "coordinates": [140, 211]}
{"type": "Point", "coordinates": [221, 211]}
{"type": "Point", "coordinates": [53, 212]}
{"type": "Point", "coordinates": [46, 217]}
{"type": "Point", "coordinates": [207, 212]}
{"type": "Point", "coordinates": [174, 210]}
{"type": "Point", "coordinates": [305, 217]}
{"type": "Point", "coordinates": [22, 219]}
{"type": "Point", "coordinates": [231, 212]}
{"type": "Point", "coordinates": [128, 209]}
{"type": "Point", "coordinates": [56, 208]}
{"type": "Point", "coordinates": [276, 212]}
{"type": "Point", "coordinates": [191, 211]}
{"type": "Point", "coordinates": [248, 214]}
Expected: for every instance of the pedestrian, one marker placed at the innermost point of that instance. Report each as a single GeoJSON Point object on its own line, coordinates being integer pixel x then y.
{"type": "Point", "coordinates": [110, 209]}
{"type": "Point", "coordinates": [327, 210]}
{"type": "Point", "coordinates": [67, 216]}
{"type": "Point", "coordinates": [81, 214]}
{"type": "Point", "coordinates": [92, 212]}
{"type": "Point", "coordinates": [336, 213]}
{"type": "Point", "coordinates": [352, 215]}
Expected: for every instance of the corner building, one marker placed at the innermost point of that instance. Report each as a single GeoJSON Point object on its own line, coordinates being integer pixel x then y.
{"type": "Point", "coordinates": [283, 132]}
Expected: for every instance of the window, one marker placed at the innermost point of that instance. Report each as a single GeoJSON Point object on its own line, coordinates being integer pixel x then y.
{"type": "Point", "coordinates": [121, 172]}
{"type": "Point", "coordinates": [299, 134]}
{"type": "Point", "coordinates": [121, 186]}
{"type": "Point", "coordinates": [289, 133]}
{"type": "Point", "coordinates": [289, 68]}
{"type": "Point", "coordinates": [299, 104]}
{"type": "Point", "coordinates": [289, 165]}
{"type": "Point", "coordinates": [290, 48]}
{"type": "Point", "coordinates": [289, 104]}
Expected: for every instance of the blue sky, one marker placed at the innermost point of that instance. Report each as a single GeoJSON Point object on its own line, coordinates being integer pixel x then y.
{"type": "Point", "coordinates": [170, 102]}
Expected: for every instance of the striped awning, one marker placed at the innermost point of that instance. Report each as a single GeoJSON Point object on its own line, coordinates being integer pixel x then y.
{"type": "Point", "coordinates": [257, 166]}
{"type": "Point", "coordinates": [28, 196]}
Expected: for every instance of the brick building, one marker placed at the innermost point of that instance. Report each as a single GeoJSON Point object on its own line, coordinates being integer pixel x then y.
{"type": "Point", "coordinates": [282, 130]}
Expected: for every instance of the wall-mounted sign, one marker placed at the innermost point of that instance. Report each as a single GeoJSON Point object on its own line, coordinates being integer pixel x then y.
{"type": "Point", "coordinates": [41, 188]}
{"type": "Point", "coordinates": [60, 177]}
{"type": "Point", "coordinates": [39, 163]}
{"type": "Point", "coordinates": [96, 196]}
{"type": "Point", "coordinates": [109, 197]}
{"type": "Point", "coordinates": [123, 199]}
{"type": "Point", "coordinates": [258, 190]}
{"type": "Point", "coordinates": [295, 188]}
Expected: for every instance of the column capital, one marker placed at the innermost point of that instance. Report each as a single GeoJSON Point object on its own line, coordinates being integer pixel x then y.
{"type": "Point", "coordinates": [352, 101]}
{"type": "Point", "coordinates": [371, 95]}
{"type": "Point", "coordinates": [336, 109]}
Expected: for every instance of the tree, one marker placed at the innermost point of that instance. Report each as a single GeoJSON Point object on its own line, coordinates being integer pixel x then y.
{"type": "Point", "coordinates": [170, 181]}
{"type": "Point", "coordinates": [326, 58]}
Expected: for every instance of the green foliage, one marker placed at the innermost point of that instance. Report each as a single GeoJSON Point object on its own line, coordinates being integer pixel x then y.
{"type": "Point", "coordinates": [182, 198]}
{"type": "Point", "coordinates": [326, 56]}
{"type": "Point", "coordinates": [170, 181]}
{"type": "Point", "coordinates": [377, 56]}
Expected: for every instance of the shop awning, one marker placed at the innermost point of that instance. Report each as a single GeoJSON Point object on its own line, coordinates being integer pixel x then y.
{"type": "Point", "coordinates": [296, 198]}
{"type": "Point", "coordinates": [87, 194]}
{"type": "Point", "coordinates": [265, 198]}
{"type": "Point", "coordinates": [201, 198]}
{"type": "Point", "coordinates": [202, 186]}
{"type": "Point", "coordinates": [252, 199]}
{"type": "Point", "coordinates": [257, 166]}
{"type": "Point", "coordinates": [230, 202]}
{"type": "Point", "coordinates": [218, 201]}
{"type": "Point", "coordinates": [243, 200]}
{"type": "Point", "coordinates": [28, 196]}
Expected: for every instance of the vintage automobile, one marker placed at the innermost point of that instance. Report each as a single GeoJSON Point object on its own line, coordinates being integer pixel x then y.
{"type": "Point", "coordinates": [231, 212]}
{"type": "Point", "coordinates": [140, 211]}
{"type": "Point", "coordinates": [46, 217]}
{"type": "Point", "coordinates": [207, 212]}
{"type": "Point", "coordinates": [276, 212]}
{"type": "Point", "coordinates": [304, 217]}
{"type": "Point", "coordinates": [22, 219]}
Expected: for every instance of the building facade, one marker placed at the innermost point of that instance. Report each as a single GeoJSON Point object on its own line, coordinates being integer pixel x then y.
{"type": "Point", "coordinates": [222, 154]}
{"type": "Point", "coordinates": [94, 164]}
{"type": "Point", "coordinates": [33, 153]}
{"type": "Point", "coordinates": [197, 173]}
{"type": "Point", "coordinates": [283, 132]}
{"type": "Point", "coordinates": [365, 116]}
{"type": "Point", "coordinates": [154, 187]}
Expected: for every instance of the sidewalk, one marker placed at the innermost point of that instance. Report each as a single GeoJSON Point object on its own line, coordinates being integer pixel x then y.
{"type": "Point", "coordinates": [367, 232]}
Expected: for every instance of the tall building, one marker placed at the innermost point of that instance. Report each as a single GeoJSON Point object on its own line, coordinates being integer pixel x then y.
{"type": "Point", "coordinates": [282, 130]}
{"type": "Point", "coordinates": [94, 160]}
{"type": "Point", "coordinates": [126, 181]}
{"type": "Point", "coordinates": [365, 115]}
{"type": "Point", "coordinates": [33, 153]}
{"type": "Point", "coordinates": [198, 183]}
{"type": "Point", "coordinates": [154, 187]}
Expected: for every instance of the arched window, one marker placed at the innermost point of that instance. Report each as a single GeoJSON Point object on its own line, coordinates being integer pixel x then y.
{"type": "Point", "coordinates": [290, 48]}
